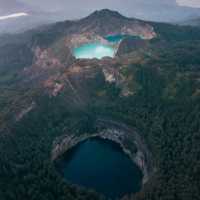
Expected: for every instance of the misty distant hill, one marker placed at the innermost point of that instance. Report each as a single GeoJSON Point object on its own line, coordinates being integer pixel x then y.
{"type": "Point", "coordinates": [40, 13]}
{"type": "Point", "coordinates": [192, 22]}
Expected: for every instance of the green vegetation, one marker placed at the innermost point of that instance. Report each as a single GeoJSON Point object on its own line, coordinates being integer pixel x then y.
{"type": "Point", "coordinates": [165, 109]}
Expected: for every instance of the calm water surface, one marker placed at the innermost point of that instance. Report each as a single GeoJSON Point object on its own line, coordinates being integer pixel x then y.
{"type": "Point", "coordinates": [94, 50]}
{"type": "Point", "coordinates": [118, 38]}
{"type": "Point", "coordinates": [98, 50]}
{"type": "Point", "coordinates": [115, 38]}
{"type": "Point", "coordinates": [102, 166]}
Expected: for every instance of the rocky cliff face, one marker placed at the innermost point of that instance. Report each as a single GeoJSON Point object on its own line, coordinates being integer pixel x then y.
{"type": "Point", "coordinates": [103, 23]}
{"type": "Point", "coordinates": [106, 22]}
{"type": "Point", "coordinates": [126, 137]}
{"type": "Point", "coordinates": [131, 44]}
{"type": "Point", "coordinates": [61, 38]}
{"type": "Point", "coordinates": [51, 67]}
{"type": "Point", "coordinates": [50, 75]}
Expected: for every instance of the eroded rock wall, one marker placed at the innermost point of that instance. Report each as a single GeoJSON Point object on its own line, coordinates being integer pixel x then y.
{"type": "Point", "coordinates": [127, 138]}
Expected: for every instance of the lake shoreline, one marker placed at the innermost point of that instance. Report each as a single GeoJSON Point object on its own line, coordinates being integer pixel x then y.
{"type": "Point", "coordinates": [116, 132]}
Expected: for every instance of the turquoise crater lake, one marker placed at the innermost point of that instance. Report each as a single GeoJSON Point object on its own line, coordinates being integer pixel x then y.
{"type": "Point", "coordinates": [93, 50]}
{"type": "Point", "coordinates": [101, 165]}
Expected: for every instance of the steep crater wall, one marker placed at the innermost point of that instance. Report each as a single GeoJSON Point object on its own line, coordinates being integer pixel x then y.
{"type": "Point", "coordinates": [126, 137]}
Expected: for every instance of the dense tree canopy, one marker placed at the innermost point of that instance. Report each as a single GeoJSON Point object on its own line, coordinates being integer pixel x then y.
{"type": "Point", "coordinates": [164, 107]}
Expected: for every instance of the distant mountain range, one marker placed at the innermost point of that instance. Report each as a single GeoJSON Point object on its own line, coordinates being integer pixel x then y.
{"type": "Point", "coordinates": [156, 11]}
{"type": "Point", "coordinates": [192, 22]}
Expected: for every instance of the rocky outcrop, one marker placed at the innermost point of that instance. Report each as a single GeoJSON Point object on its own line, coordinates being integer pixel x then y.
{"type": "Point", "coordinates": [107, 22]}
{"type": "Point", "coordinates": [111, 75]}
{"type": "Point", "coordinates": [100, 24]}
{"type": "Point", "coordinates": [125, 136]}
{"type": "Point", "coordinates": [131, 44]}
{"type": "Point", "coordinates": [76, 40]}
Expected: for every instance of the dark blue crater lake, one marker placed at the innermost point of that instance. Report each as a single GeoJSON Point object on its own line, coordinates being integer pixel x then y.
{"type": "Point", "coordinates": [101, 165]}
{"type": "Point", "coordinates": [115, 38]}
{"type": "Point", "coordinates": [118, 38]}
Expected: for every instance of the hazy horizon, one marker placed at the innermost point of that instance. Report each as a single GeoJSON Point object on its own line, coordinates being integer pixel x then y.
{"type": "Point", "coordinates": [19, 15]}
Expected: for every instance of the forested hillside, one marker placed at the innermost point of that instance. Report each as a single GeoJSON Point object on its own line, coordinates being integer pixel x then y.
{"type": "Point", "coordinates": [163, 102]}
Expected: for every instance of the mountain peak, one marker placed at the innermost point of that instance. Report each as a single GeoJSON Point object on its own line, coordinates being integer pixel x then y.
{"type": "Point", "coordinates": [106, 13]}
{"type": "Point", "coordinates": [106, 22]}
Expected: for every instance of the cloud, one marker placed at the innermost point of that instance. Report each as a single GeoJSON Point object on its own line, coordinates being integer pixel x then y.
{"type": "Point", "coordinates": [48, 11]}
{"type": "Point", "coordinates": [14, 15]}
{"type": "Point", "coordinates": [189, 3]}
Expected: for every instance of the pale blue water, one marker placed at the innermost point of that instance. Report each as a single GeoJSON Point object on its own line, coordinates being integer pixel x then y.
{"type": "Point", "coordinates": [103, 166]}
{"type": "Point", "coordinates": [94, 50]}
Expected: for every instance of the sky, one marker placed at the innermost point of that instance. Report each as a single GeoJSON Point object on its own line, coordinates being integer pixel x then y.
{"type": "Point", "coordinates": [191, 3]}
{"type": "Point", "coordinates": [42, 11]}
{"type": "Point", "coordinates": [77, 8]}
